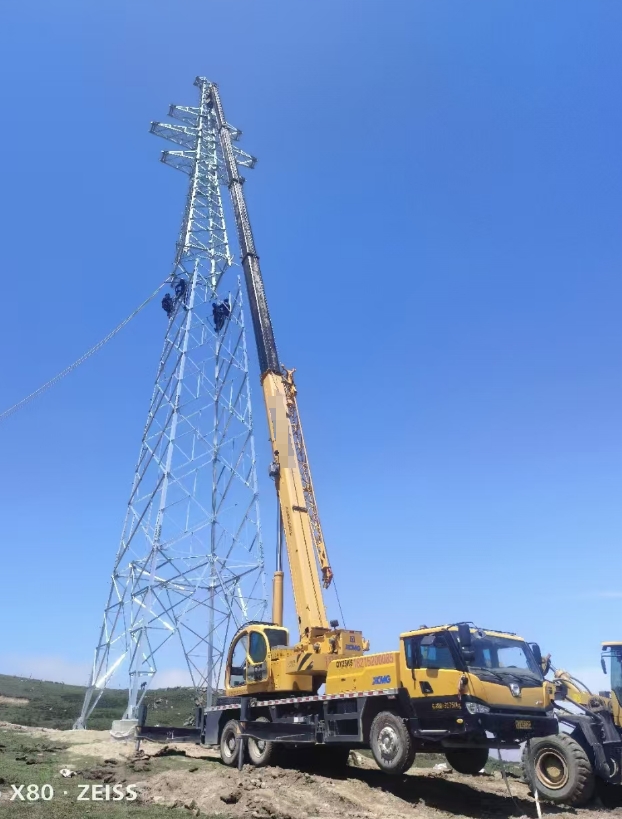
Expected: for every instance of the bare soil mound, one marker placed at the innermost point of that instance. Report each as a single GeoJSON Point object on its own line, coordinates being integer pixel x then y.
{"type": "Point", "coordinates": [193, 779]}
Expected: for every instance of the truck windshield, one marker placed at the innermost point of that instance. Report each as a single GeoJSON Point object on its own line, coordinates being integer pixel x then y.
{"type": "Point", "coordinates": [616, 675]}
{"type": "Point", "coordinates": [503, 657]}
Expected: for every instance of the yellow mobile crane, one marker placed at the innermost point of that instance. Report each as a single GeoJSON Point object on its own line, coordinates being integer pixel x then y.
{"type": "Point", "coordinates": [566, 767]}
{"type": "Point", "coordinates": [444, 689]}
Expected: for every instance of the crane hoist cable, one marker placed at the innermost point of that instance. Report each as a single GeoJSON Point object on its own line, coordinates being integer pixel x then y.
{"type": "Point", "coordinates": [59, 376]}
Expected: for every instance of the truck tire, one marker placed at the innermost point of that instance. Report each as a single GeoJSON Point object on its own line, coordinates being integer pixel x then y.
{"type": "Point", "coordinates": [391, 743]}
{"type": "Point", "coordinates": [260, 752]}
{"type": "Point", "coordinates": [468, 761]}
{"type": "Point", "coordinates": [560, 769]}
{"type": "Point", "coordinates": [228, 744]}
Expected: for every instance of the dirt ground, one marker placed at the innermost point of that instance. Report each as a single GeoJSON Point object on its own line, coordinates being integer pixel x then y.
{"type": "Point", "coordinates": [203, 786]}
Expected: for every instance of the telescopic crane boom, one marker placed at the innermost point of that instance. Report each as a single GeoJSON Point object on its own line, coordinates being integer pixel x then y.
{"type": "Point", "coordinates": [290, 465]}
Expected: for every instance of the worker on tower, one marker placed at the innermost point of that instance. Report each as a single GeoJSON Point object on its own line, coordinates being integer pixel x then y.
{"type": "Point", "coordinates": [181, 286]}
{"type": "Point", "coordinates": [168, 305]}
{"type": "Point", "coordinates": [220, 310]}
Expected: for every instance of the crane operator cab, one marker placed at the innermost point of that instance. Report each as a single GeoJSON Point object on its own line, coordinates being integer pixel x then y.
{"type": "Point", "coordinates": [250, 656]}
{"type": "Point", "coordinates": [261, 660]}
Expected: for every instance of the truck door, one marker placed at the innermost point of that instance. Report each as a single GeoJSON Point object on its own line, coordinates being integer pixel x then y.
{"type": "Point", "coordinates": [434, 668]}
{"type": "Point", "coordinates": [237, 667]}
{"type": "Point", "coordinates": [257, 665]}
{"type": "Point", "coordinates": [248, 669]}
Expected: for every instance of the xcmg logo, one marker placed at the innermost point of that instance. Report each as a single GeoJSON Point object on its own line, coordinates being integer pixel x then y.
{"type": "Point", "coordinates": [381, 680]}
{"type": "Point", "coordinates": [353, 648]}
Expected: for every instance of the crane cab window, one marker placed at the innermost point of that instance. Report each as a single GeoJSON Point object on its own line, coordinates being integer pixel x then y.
{"type": "Point", "coordinates": [237, 672]}
{"type": "Point", "coordinates": [277, 637]}
{"type": "Point", "coordinates": [429, 651]}
{"type": "Point", "coordinates": [258, 648]}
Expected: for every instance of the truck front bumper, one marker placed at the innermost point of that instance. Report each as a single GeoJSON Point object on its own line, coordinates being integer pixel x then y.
{"type": "Point", "coordinates": [515, 724]}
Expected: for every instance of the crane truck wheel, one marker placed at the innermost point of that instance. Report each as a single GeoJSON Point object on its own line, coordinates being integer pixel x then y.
{"type": "Point", "coordinates": [228, 743]}
{"type": "Point", "coordinates": [260, 751]}
{"type": "Point", "coordinates": [468, 761]}
{"type": "Point", "coordinates": [560, 769]}
{"type": "Point", "coordinates": [390, 743]}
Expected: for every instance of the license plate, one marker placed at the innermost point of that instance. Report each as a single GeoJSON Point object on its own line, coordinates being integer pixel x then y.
{"type": "Point", "coordinates": [523, 724]}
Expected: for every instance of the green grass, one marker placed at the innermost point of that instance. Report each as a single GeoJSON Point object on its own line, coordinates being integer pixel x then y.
{"type": "Point", "coordinates": [28, 760]}
{"type": "Point", "coordinates": [56, 705]}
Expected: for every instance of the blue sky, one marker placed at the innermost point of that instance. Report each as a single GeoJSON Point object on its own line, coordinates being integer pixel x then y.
{"type": "Point", "coordinates": [437, 206]}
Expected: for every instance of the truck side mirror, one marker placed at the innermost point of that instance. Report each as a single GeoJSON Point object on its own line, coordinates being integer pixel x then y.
{"type": "Point", "coordinates": [603, 665]}
{"type": "Point", "coordinates": [466, 642]}
{"type": "Point", "coordinates": [464, 635]}
{"type": "Point", "coordinates": [535, 648]}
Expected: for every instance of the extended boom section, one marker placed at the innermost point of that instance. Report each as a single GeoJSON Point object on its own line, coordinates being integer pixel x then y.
{"type": "Point", "coordinates": [295, 513]}
{"type": "Point", "coordinates": [305, 474]}
{"type": "Point", "coordinates": [290, 467]}
{"type": "Point", "coordinates": [264, 335]}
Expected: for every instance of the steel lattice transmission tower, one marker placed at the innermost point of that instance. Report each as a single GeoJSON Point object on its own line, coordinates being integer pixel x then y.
{"type": "Point", "coordinates": [190, 563]}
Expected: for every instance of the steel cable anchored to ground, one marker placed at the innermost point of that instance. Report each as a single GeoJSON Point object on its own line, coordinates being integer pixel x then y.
{"type": "Point", "coordinates": [59, 376]}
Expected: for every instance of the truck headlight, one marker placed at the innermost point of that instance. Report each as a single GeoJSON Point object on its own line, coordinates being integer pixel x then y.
{"type": "Point", "coordinates": [477, 708]}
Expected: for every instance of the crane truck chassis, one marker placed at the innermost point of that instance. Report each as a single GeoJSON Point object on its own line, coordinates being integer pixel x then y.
{"type": "Point", "coordinates": [424, 697]}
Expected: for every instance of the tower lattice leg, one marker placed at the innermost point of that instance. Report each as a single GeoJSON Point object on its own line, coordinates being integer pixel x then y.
{"type": "Point", "coordinates": [189, 569]}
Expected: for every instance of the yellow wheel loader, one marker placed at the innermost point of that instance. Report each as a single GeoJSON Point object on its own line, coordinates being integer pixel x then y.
{"type": "Point", "coordinates": [565, 768]}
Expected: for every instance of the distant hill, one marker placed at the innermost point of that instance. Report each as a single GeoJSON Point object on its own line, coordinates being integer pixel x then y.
{"type": "Point", "coordinates": [55, 705]}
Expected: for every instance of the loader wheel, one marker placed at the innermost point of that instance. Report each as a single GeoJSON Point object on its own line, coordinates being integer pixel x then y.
{"type": "Point", "coordinates": [468, 761]}
{"type": "Point", "coordinates": [560, 769]}
{"type": "Point", "coordinates": [228, 743]}
{"type": "Point", "coordinates": [260, 751]}
{"type": "Point", "coordinates": [391, 744]}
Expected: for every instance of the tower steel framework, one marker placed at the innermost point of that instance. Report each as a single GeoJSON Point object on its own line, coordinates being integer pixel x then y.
{"type": "Point", "coordinates": [190, 563]}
